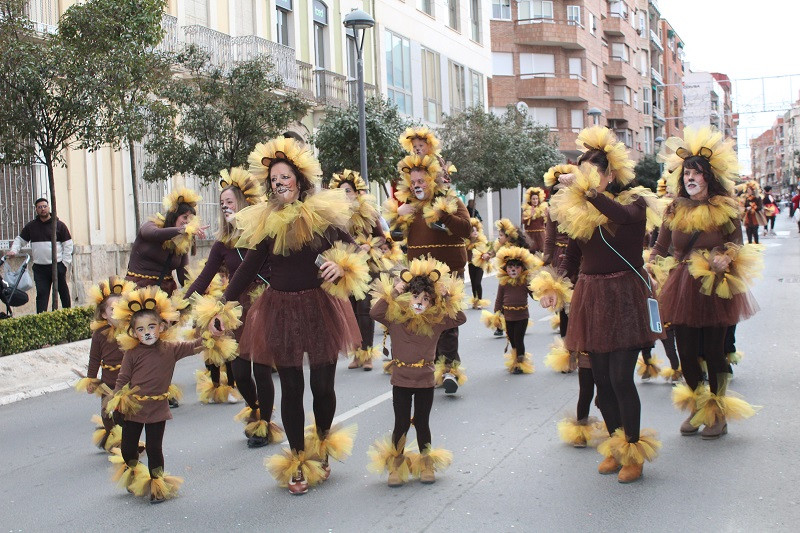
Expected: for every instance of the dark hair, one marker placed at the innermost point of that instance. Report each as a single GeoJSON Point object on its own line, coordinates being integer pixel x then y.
{"type": "Point", "coordinates": [40, 200]}
{"type": "Point", "coordinates": [143, 313]}
{"type": "Point", "coordinates": [420, 284]}
{"type": "Point", "coordinates": [701, 164]}
{"type": "Point", "coordinates": [767, 188]}
{"type": "Point", "coordinates": [172, 216]}
{"type": "Point", "coordinates": [514, 262]}
{"type": "Point", "coordinates": [303, 185]}
{"type": "Point", "coordinates": [597, 158]}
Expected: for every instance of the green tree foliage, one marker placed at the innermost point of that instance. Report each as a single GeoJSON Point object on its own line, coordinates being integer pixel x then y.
{"type": "Point", "coordinates": [648, 171]}
{"type": "Point", "coordinates": [337, 140]}
{"type": "Point", "coordinates": [496, 152]}
{"type": "Point", "coordinates": [120, 38]}
{"type": "Point", "coordinates": [49, 102]}
{"type": "Point", "coordinates": [217, 116]}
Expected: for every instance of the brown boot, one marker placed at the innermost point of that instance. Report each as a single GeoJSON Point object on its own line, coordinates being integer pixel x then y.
{"type": "Point", "coordinates": [395, 479]}
{"type": "Point", "coordinates": [354, 364]}
{"type": "Point", "coordinates": [716, 430]}
{"type": "Point", "coordinates": [426, 474]}
{"type": "Point", "coordinates": [630, 473]}
{"type": "Point", "coordinates": [609, 465]}
{"type": "Point", "coordinates": [687, 428]}
{"type": "Point", "coordinates": [368, 364]}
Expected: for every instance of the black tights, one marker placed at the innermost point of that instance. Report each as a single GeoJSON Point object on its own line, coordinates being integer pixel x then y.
{"type": "Point", "coordinates": [770, 223]}
{"type": "Point", "coordinates": [215, 373]}
{"type": "Point", "coordinates": [708, 342]}
{"type": "Point", "coordinates": [475, 277]}
{"type": "Point", "coordinates": [562, 323]}
{"type": "Point", "coordinates": [585, 392]}
{"type": "Point", "coordinates": [515, 331]}
{"type": "Point", "coordinates": [617, 397]}
{"type": "Point", "coordinates": [292, 413]}
{"type": "Point", "coordinates": [366, 325]}
{"type": "Point", "coordinates": [258, 393]}
{"type": "Point", "coordinates": [423, 402]}
{"type": "Point", "coordinates": [752, 234]}
{"type": "Point", "coordinates": [154, 436]}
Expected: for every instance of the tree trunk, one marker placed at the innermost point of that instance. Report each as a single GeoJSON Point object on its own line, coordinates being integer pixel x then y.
{"type": "Point", "coordinates": [500, 196]}
{"type": "Point", "coordinates": [135, 183]}
{"type": "Point", "coordinates": [53, 213]}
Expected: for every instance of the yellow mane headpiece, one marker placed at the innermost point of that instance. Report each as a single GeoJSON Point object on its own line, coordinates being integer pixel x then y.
{"type": "Point", "coordinates": [289, 151]}
{"type": "Point", "coordinates": [507, 227]}
{"type": "Point", "coordinates": [538, 191]}
{"type": "Point", "coordinates": [422, 132]}
{"type": "Point", "coordinates": [427, 164]}
{"type": "Point", "coordinates": [181, 195]}
{"type": "Point", "coordinates": [475, 223]}
{"type": "Point", "coordinates": [150, 298]}
{"type": "Point", "coordinates": [706, 142]}
{"type": "Point", "coordinates": [348, 176]}
{"type": "Point", "coordinates": [753, 184]}
{"type": "Point", "coordinates": [113, 286]}
{"type": "Point", "coordinates": [603, 139]}
{"type": "Point", "coordinates": [240, 178]}
{"type": "Point", "coordinates": [523, 255]}
{"type": "Point", "coordinates": [661, 187]}
{"type": "Point", "coordinates": [552, 174]}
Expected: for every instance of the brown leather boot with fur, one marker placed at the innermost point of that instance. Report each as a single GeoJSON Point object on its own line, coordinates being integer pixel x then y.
{"type": "Point", "coordinates": [609, 465]}
{"type": "Point", "coordinates": [426, 475]}
{"type": "Point", "coordinates": [687, 428]}
{"type": "Point", "coordinates": [715, 431]}
{"type": "Point", "coordinates": [395, 480]}
{"type": "Point", "coordinates": [630, 473]}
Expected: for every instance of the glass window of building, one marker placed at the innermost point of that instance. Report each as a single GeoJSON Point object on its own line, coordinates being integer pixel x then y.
{"type": "Point", "coordinates": [574, 15]}
{"type": "Point", "coordinates": [196, 12]}
{"type": "Point", "coordinates": [398, 71]}
{"type": "Point", "coordinates": [458, 88]}
{"type": "Point", "coordinates": [501, 9]}
{"type": "Point", "coordinates": [245, 17]}
{"type": "Point", "coordinates": [454, 14]}
{"type": "Point", "coordinates": [320, 33]}
{"type": "Point", "coordinates": [575, 68]}
{"type": "Point", "coordinates": [576, 116]}
{"type": "Point", "coordinates": [426, 6]}
{"type": "Point", "coordinates": [476, 88]}
{"type": "Point", "coordinates": [547, 116]}
{"type": "Point", "coordinates": [537, 65]}
{"type": "Point", "coordinates": [431, 85]}
{"type": "Point", "coordinates": [283, 21]}
{"type": "Point", "coordinates": [502, 64]}
{"type": "Point", "coordinates": [475, 20]}
{"type": "Point", "coordinates": [535, 10]}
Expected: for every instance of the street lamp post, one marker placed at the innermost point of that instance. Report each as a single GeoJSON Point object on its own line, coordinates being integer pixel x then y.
{"type": "Point", "coordinates": [595, 114]}
{"type": "Point", "coordinates": [360, 21]}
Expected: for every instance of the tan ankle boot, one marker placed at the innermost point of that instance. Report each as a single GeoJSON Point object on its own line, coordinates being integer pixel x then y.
{"type": "Point", "coordinates": [354, 364]}
{"type": "Point", "coordinates": [715, 431]}
{"type": "Point", "coordinates": [630, 473]}
{"type": "Point", "coordinates": [395, 479]}
{"type": "Point", "coordinates": [687, 428]}
{"type": "Point", "coordinates": [609, 465]}
{"type": "Point", "coordinates": [426, 474]}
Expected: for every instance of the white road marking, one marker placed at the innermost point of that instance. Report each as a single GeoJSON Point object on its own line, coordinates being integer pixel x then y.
{"type": "Point", "coordinates": [357, 410]}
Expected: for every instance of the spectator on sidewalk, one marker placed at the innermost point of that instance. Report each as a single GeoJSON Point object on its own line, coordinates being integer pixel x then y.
{"type": "Point", "coordinates": [38, 233]}
{"type": "Point", "coordinates": [771, 210]}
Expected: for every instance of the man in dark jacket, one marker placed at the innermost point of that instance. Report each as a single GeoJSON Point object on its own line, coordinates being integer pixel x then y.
{"type": "Point", "coordinates": [37, 232]}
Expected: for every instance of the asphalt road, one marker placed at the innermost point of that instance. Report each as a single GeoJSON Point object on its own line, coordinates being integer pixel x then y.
{"type": "Point", "coordinates": [510, 471]}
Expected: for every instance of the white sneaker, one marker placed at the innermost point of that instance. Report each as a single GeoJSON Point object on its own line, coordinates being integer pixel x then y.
{"type": "Point", "coordinates": [233, 399]}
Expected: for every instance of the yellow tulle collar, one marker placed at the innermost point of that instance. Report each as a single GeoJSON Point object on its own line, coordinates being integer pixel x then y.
{"type": "Point", "coordinates": [104, 327]}
{"type": "Point", "coordinates": [718, 212]}
{"type": "Point", "coordinates": [294, 225]}
{"type": "Point", "coordinates": [530, 213]}
{"type": "Point", "coordinates": [365, 215]}
{"type": "Point", "coordinates": [504, 279]}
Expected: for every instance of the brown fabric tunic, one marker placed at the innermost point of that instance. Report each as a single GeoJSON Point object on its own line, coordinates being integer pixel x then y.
{"type": "Point", "coordinates": [150, 368]}
{"type": "Point", "coordinates": [555, 244]}
{"type": "Point", "coordinates": [534, 233]}
{"type": "Point", "coordinates": [148, 257]}
{"type": "Point", "coordinates": [513, 301]}
{"type": "Point", "coordinates": [411, 349]}
{"type": "Point", "coordinates": [106, 354]}
{"type": "Point", "coordinates": [446, 247]}
{"type": "Point", "coordinates": [221, 255]}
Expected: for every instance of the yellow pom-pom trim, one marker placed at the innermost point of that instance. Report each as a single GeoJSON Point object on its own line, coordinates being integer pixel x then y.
{"type": "Point", "coordinates": [547, 281]}
{"type": "Point", "coordinates": [355, 278]}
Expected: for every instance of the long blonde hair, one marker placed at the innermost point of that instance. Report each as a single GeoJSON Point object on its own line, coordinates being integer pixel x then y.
{"type": "Point", "coordinates": [227, 232]}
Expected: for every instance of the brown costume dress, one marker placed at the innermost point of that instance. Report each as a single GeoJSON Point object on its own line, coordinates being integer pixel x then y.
{"type": "Point", "coordinates": [149, 259]}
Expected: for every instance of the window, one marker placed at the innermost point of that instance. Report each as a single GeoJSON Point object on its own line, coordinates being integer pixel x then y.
{"type": "Point", "coordinates": [642, 25]}
{"type": "Point", "coordinates": [544, 115]}
{"type": "Point", "coordinates": [426, 6]}
{"type": "Point", "coordinates": [476, 88]}
{"type": "Point", "coordinates": [398, 71]}
{"type": "Point", "coordinates": [646, 102]}
{"type": "Point", "coordinates": [431, 85]}
{"type": "Point", "coordinates": [619, 51]}
{"type": "Point", "coordinates": [648, 134]}
{"type": "Point", "coordinates": [636, 100]}
{"type": "Point", "coordinates": [535, 10]}
{"type": "Point", "coordinates": [621, 93]}
{"type": "Point", "coordinates": [617, 8]}
{"type": "Point", "coordinates": [592, 24]}
{"type": "Point", "coordinates": [643, 64]}
{"type": "Point", "coordinates": [453, 14]}
{"type": "Point", "coordinates": [458, 89]}
{"type": "Point", "coordinates": [283, 17]}
{"type": "Point", "coordinates": [502, 64]}
{"type": "Point", "coordinates": [475, 20]}
{"type": "Point", "coordinates": [537, 65]}
{"type": "Point", "coordinates": [574, 15]}
{"type": "Point", "coordinates": [501, 9]}
{"type": "Point", "coordinates": [575, 68]}
{"type": "Point", "coordinates": [245, 17]}
{"type": "Point", "coordinates": [577, 120]}
{"type": "Point", "coordinates": [320, 33]}
{"type": "Point", "coordinates": [594, 74]}
{"type": "Point", "coordinates": [197, 12]}
{"type": "Point", "coordinates": [352, 54]}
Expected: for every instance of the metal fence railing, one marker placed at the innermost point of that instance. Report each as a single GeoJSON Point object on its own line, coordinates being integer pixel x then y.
{"type": "Point", "coordinates": [19, 188]}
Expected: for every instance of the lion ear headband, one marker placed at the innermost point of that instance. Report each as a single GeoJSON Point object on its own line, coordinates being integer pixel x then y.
{"type": "Point", "coordinates": [407, 276]}
{"type": "Point", "coordinates": [704, 151]}
{"type": "Point", "coordinates": [148, 305]}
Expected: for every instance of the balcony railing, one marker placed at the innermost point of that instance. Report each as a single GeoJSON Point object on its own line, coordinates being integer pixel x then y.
{"type": "Point", "coordinates": [170, 43]}
{"type": "Point", "coordinates": [330, 88]}
{"type": "Point", "coordinates": [658, 114]}
{"type": "Point", "coordinates": [216, 44]}
{"type": "Point", "coordinates": [44, 15]}
{"type": "Point", "coordinates": [370, 91]}
{"type": "Point", "coordinates": [654, 38]}
{"type": "Point", "coordinates": [305, 79]}
{"type": "Point", "coordinates": [656, 76]}
{"type": "Point", "coordinates": [250, 47]}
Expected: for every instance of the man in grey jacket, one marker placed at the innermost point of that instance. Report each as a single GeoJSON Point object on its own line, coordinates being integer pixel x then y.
{"type": "Point", "coordinates": [37, 232]}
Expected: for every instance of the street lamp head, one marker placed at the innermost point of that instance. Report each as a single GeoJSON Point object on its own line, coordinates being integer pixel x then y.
{"type": "Point", "coordinates": [594, 112]}
{"type": "Point", "coordinates": [659, 139]}
{"type": "Point", "coordinates": [358, 20]}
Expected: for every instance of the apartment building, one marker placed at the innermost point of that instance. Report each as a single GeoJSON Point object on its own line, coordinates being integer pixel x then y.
{"type": "Point", "coordinates": [791, 160]}
{"type": "Point", "coordinates": [672, 75]}
{"type": "Point", "coordinates": [313, 53]}
{"type": "Point", "coordinates": [762, 153]}
{"type": "Point", "coordinates": [435, 56]}
{"type": "Point", "coordinates": [564, 57]}
{"type": "Point", "coordinates": [729, 119]}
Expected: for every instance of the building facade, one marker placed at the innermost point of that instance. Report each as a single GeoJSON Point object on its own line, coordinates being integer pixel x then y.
{"type": "Point", "coordinates": [673, 72]}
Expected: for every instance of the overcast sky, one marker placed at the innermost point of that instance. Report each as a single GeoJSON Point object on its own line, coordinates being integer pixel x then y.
{"type": "Point", "coordinates": [744, 39]}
